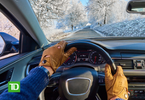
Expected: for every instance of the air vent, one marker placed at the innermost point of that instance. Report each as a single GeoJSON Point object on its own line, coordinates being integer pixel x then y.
{"type": "Point", "coordinates": [29, 67]}
{"type": "Point", "coordinates": [126, 64]}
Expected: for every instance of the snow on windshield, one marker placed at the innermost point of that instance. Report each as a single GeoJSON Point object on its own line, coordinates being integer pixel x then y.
{"type": "Point", "coordinates": [61, 19]}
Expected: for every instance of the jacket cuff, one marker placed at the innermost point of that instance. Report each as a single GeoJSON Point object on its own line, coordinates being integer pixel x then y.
{"type": "Point", "coordinates": [119, 99]}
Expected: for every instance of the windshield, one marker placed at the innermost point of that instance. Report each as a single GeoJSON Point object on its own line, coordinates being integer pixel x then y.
{"type": "Point", "coordinates": [80, 19]}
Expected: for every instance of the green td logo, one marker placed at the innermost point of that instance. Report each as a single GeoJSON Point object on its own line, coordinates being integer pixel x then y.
{"type": "Point", "coordinates": [13, 86]}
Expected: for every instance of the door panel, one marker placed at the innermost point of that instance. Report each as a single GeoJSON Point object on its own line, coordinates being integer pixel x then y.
{"type": "Point", "coordinates": [19, 64]}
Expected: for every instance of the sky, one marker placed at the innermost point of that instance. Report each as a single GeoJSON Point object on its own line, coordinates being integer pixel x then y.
{"type": "Point", "coordinates": [84, 2]}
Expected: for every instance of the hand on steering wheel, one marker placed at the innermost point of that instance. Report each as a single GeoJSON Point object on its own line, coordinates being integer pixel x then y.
{"type": "Point", "coordinates": [55, 56]}
{"type": "Point", "coordinates": [117, 85]}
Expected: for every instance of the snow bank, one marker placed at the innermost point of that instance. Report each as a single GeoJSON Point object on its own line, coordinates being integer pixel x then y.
{"type": "Point", "coordinates": [133, 28]}
{"type": "Point", "coordinates": [57, 34]}
{"type": "Point", "coordinates": [52, 34]}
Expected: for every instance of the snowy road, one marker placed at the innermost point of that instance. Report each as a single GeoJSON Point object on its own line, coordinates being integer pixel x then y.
{"type": "Point", "coordinates": [84, 33]}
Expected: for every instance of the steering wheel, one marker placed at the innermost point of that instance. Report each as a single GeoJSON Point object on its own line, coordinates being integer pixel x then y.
{"type": "Point", "coordinates": [81, 82]}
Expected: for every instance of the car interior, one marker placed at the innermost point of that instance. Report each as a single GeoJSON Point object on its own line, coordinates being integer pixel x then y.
{"type": "Point", "coordinates": [129, 56]}
{"type": "Point", "coordinates": [82, 75]}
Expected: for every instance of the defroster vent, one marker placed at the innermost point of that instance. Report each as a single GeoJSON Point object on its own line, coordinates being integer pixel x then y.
{"type": "Point", "coordinates": [126, 64]}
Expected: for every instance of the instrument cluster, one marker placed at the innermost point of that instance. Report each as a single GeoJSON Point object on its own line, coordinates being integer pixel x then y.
{"type": "Point", "coordinates": [85, 56]}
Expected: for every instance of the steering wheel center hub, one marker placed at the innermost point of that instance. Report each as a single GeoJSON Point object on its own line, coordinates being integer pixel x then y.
{"type": "Point", "coordinates": [78, 82]}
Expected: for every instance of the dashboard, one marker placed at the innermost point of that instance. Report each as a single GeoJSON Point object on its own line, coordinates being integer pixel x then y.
{"type": "Point", "coordinates": [130, 54]}
{"type": "Point", "coordinates": [132, 60]}
{"type": "Point", "coordinates": [85, 56]}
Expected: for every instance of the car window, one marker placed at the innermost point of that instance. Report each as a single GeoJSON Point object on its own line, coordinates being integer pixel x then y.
{"type": "Point", "coordinates": [9, 38]}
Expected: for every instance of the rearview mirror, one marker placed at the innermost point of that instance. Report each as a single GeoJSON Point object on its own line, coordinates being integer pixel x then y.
{"type": "Point", "coordinates": [136, 6]}
{"type": "Point", "coordinates": [2, 45]}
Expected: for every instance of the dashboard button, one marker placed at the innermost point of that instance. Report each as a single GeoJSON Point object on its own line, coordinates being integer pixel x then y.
{"type": "Point", "coordinates": [136, 91]}
{"type": "Point", "coordinates": [101, 81]}
{"type": "Point", "coordinates": [139, 64]}
{"type": "Point", "coordinates": [141, 91]}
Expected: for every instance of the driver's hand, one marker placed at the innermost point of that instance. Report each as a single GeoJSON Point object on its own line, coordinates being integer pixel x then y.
{"type": "Point", "coordinates": [54, 56]}
{"type": "Point", "coordinates": [117, 85]}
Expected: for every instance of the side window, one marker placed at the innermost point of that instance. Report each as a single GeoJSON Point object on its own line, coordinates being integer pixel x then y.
{"type": "Point", "coordinates": [9, 38]}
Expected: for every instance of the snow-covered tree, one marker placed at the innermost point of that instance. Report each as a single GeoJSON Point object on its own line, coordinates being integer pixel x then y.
{"type": "Point", "coordinates": [75, 16]}
{"type": "Point", "coordinates": [98, 10]}
{"type": "Point", "coordinates": [108, 11]}
{"type": "Point", "coordinates": [8, 27]}
{"type": "Point", "coordinates": [118, 12]}
{"type": "Point", "coordinates": [48, 11]}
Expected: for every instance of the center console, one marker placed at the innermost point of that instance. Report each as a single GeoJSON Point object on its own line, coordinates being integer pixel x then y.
{"type": "Point", "coordinates": [136, 88]}
{"type": "Point", "coordinates": [134, 70]}
{"type": "Point", "coordinates": [137, 92]}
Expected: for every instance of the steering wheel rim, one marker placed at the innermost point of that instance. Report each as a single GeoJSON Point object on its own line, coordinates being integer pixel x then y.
{"type": "Point", "coordinates": [105, 54]}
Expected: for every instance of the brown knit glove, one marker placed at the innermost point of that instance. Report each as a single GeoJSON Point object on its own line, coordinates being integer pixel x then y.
{"type": "Point", "coordinates": [117, 85]}
{"type": "Point", "coordinates": [54, 56]}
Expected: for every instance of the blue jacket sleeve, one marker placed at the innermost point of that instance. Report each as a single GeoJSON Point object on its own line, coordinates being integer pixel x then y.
{"type": "Point", "coordinates": [30, 87]}
{"type": "Point", "coordinates": [119, 99]}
